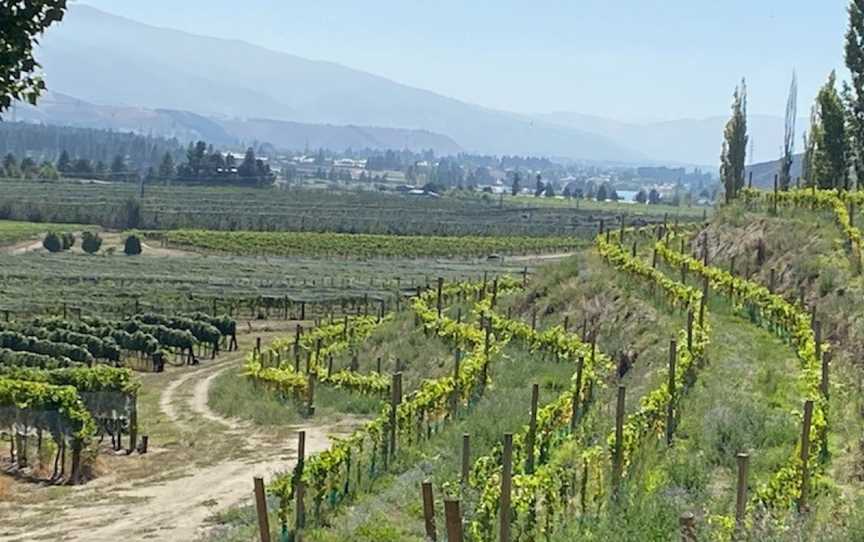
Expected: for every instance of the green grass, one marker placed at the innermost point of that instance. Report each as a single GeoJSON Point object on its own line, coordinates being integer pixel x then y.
{"type": "Point", "coordinates": [234, 396]}
{"type": "Point", "coordinates": [13, 231]}
{"type": "Point", "coordinates": [619, 207]}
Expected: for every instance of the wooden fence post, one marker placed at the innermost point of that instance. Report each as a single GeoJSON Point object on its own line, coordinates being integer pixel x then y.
{"type": "Point", "coordinates": [534, 320]}
{"type": "Point", "coordinates": [741, 493]}
{"type": "Point", "coordinates": [453, 517]}
{"type": "Point", "coordinates": [805, 456]}
{"type": "Point", "coordinates": [690, 330]}
{"type": "Point", "coordinates": [817, 337]}
{"type": "Point", "coordinates": [261, 507]}
{"type": "Point", "coordinates": [454, 402]}
{"type": "Point", "coordinates": [823, 385]}
{"type": "Point", "coordinates": [506, 481]}
{"type": "Point", "coordinates": [772, 280]}
{"type": "Point", "coordinates": [670, 409]}
{"type": "Point", "coordinates": [396, 399]}
{"type": "Point", "coordinates": [618, 456]}
{"type": "Point", "coordinates": [577, 391]}
{"type": "Point", "coordinates": [532, 430]}
{"type": "Point", "coordinates": [440, 305]}
{"type": "Point", "coordinates": [310, 405]}
{"type": "Point", "coordinates": [300, 487]}
{"type": "Point", "coordinates": [703, 302]}
{"type": "Point", "coordinates": [466, 458]}
{"type": "Point", "coordinates": [429, 512]}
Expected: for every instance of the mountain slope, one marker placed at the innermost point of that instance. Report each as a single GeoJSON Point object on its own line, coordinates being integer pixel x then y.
{"type": "Point", "coordinates": [692, 141]}
{"type": "Point", "coordinates": [107, 59]}
{"type": "Point", "coordinates": [60, 109]}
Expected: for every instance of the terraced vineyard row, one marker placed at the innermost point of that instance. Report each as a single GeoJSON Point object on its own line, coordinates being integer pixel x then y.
{"type": "Point", "coordinates": [364, 246]}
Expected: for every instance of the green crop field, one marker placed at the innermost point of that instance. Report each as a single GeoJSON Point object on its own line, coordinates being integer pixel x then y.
{"type": "Point", "coordinates": [364, 245]}
{"type": "Point", "coordinates": [294, 209]}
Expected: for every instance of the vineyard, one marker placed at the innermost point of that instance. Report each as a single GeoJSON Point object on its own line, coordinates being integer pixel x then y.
{"type": "Point", "coordinates": [309, 210]}
{"type": "Point", "coordinates": [245, 286]}
{"type": "Point", "coordinates": [366, 246]}
{"type": "Point", "coordinates": [612, 394]}
{"type": "Point", "coordinates": [71, 380]}
{"type": "Point", "coordinates": [669, 381]}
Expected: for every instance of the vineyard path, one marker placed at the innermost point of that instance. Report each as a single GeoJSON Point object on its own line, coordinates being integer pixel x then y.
{"type": "Point", "coordinates": [173, 504]}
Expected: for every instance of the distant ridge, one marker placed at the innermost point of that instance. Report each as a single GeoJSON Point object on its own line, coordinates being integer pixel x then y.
{"type": "Point", "coordinates": [61, 109]}
{"type": "Point", "coordinates": [109, 60]}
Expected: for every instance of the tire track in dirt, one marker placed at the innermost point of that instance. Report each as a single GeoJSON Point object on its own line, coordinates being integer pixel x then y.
{"type": "Point", "coordinates": [177, 508]}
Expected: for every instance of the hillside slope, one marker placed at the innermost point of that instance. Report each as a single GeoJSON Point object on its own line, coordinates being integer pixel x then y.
{"type": "Point", "coordinates": [107, 59]}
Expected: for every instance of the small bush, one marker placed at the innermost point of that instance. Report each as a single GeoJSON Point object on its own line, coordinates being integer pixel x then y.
{"type": "Point", "coordinates": [52, 242]}
{"type": "Point", "coordinates": [68, 240]}
{"type": "Point", "coordinates": [91, 242]}
{"type": "Point", "coordinates": [132, 246]}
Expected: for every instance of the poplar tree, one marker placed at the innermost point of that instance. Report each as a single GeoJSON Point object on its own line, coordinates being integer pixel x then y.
{"type": "Point", "coordinates": [735, 144]}
{"type": "Point", "coordinates": [789, 135]}
{"type": "Point", "coordinates": [854, 95]}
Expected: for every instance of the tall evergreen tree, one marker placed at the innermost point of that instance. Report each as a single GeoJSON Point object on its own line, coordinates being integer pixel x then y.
{"type": "Point", "coordinates": [829, 157]}
{"type": "Point", "coordinates": [789, 135]}
{"type": "Point", "coordinates": [166, 168]}
{"type": "Point", "coordinates": [118, 168]}
{"type": "Point", "coordinates": [735, 144]}
{"type": "Point", "coordinates": [64, 163]}
{"type": "Point", "coordinates": [854, 95]}
{"type": "Point", "coordinates": [516, 188]}
{"type": "Point", "coordinates": [248, 168]}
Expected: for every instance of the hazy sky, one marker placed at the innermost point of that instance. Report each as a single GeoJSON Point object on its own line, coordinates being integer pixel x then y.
{"type": "Point", "coordinates": [626, 59]}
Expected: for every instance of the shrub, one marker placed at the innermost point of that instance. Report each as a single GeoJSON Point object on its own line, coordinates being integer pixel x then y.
{"type": "Point", "coordinates": [132, 246]}
{"type": "Point", "coordinates": [91, 242]}
{"type": "Point", "coordinates": [68, 240]}
{"type": "Point", "coordinates": [52, 242]}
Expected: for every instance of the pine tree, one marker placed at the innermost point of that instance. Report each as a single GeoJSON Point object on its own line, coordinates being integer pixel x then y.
{"type": "Point", "coordinates": [829, 155]}
{"type": "Point", "coordinates": [166, 168]}
{"type": "Point", "coordinates": [64, 164]}
{"type": "Point", "coordinates": [854, 95]}
{"type": "Point", "coordinates": [789, 135]}
{"type": "Point", "coordinates": [735, 145]}
{"type": "Point", "coordinates": [118, 168]}
{"type": "Point", "coordinates": [248, 168]}
{"type": "Point", "coordinates": [516, 188]}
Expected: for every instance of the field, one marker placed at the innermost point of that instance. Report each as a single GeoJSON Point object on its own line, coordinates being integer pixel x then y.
{"type": "Point", "coordinates": [12, 232]}
{"type": "Point", "coordinates": [309, 210]}
{"type": "Point", "coordinates": [597, 392]}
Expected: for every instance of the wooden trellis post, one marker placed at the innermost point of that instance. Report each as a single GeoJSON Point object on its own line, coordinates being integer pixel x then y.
{"type": "Point", "coordinates": [506, 482]}
{"type": "Point", "coordinates": [429, 512]}
{"type": "Point", "coordinates": [453, 517]}
{"type": "Point", "coordinates": [741, 493]}
{"type": "Point", "coordinates": [805, 456]}
{"type": "Point", "coordinates": [261, 508]}
{"type": "Point", "coordinates": [577, 391]}
{"type": "Point", "coordinates": [466, 458]}
{"type": "Point", "coordinates": [670, 409]}
{"type": "Point", "coordinates": [618, 454]}
{"type": "Point", "coordinates": [532, 430]}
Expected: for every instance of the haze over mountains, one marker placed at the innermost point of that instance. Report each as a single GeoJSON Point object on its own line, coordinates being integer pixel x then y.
{"type": "Point", "coordinates": [238, 91]}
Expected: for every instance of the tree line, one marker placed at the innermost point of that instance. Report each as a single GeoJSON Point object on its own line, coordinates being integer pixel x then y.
{"type": "Point", "coordinates": [833, 144]}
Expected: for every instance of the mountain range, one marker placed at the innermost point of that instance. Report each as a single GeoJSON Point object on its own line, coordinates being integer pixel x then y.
{"type": "Point", "coordinates": [146, 77]}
